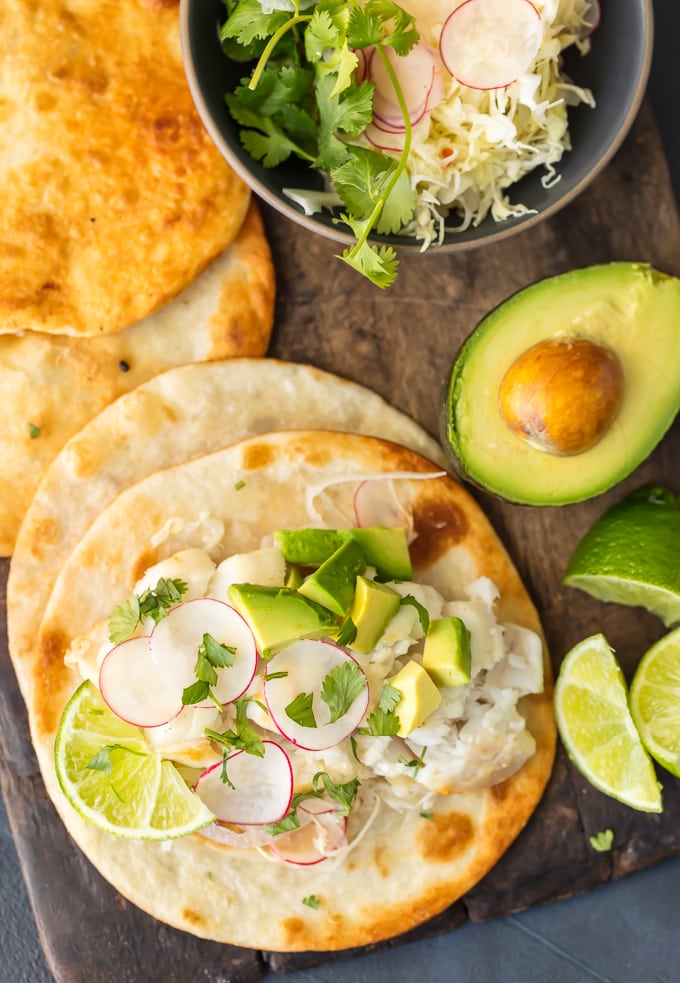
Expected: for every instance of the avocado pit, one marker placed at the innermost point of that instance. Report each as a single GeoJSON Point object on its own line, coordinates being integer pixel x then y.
{"type": "Point", "coordinates": [562, 395]}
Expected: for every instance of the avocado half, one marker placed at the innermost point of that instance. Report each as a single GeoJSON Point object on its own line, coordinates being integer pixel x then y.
{"type": "Point", "coordinates": [628, 308]}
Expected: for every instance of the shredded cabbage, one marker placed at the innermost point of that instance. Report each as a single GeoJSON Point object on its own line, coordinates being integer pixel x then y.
{"type": "Point", "coordinates": [479, 143]}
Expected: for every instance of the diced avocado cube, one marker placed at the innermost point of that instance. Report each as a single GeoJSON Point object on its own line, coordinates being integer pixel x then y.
{"type": "Point", "coordinates": [308, 547]}
{"type": "Point", "coordinates": [373, 608]}
{"type": "Point", "coordinates": [446, 655]}
{"type": "Point", "coordinates": [419, 697]}
{"type": "Point", "coordinates": [386, 549]}
{"type": "Point", "coordinates": [279, 615]}
{"type": "Point", "coordinates": [332, 585]}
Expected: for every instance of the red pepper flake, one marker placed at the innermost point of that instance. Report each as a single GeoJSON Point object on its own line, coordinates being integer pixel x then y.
{"type": "Point", "coordinates": [447, 152]}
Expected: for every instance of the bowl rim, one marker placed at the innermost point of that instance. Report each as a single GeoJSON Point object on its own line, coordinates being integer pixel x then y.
{"type": "Point", "coordinates": [509, 228]}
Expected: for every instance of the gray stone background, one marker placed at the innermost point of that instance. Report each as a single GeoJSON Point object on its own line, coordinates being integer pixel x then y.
{"type": "Point", "coordinates": [627, 932]}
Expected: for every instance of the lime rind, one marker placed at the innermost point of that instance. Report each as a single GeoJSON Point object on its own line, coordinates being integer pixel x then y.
{"type": "Point", "coordinates": [629, 556]}
{"type": "Point", "coordinates": [143, 797]}
{"type": "Point", "coordinates": [665, 604]}
{"type": "Point", "coordinates": [655, 701]}
{"type": "Point", "coordinates": [597, 729]}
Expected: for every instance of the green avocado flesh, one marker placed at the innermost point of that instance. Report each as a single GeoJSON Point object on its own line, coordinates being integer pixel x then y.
{"type": "Point", "coordinates": [385, 548]}
{"type": "Point", "coordinates": [333, 584]}
{"type": "Point", "coordinates": [279, 615]}
{"type": "Point", "coordinates": [627, 307]}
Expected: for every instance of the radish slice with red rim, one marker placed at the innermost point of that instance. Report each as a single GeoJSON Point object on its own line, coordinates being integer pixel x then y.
{"type": "Point", "coordinates": [307, 663]}
{"type": "Point", "coordinates": [319, 836]}
{"type": "Point", "coordinates": [258, 791]}
{"type": "Point", "coordinates": [133, 686]}
{"type": "Point", "coordinates": [488, 44]}
{"type": "Point", "coordinates": [415, 73]}
{"type": "Point", "coordinates": [175, 641]}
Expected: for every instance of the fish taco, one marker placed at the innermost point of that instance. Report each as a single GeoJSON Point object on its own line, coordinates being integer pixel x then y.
{"type": "Point", "coordinates": [293, 694]}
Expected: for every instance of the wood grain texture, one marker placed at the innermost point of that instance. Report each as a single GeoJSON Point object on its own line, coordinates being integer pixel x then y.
{"type": "Point", "coordinates": [401, 343]}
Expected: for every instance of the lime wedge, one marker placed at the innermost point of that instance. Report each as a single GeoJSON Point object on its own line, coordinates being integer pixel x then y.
{"type": "Point", "coordinates": [655, 701]}
{"type": "Point", "coordinates": [111, 777]}
{"type": "Point", "coordinates": [597, 729]}
{"type": "Point", "coordinates": [630, 555]}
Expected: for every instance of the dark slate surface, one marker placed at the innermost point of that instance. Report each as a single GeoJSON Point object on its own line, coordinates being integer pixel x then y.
{"type": "Point", "coordinates": [626, 931]}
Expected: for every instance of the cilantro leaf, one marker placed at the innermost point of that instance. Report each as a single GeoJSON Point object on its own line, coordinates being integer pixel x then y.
{"type": "Point", "coordinates": [102, 759]}
{"type": "Point", "coordinates": [248, 22]}
{"type": "Point", "coordinates": [344, 794]}
{"type": "Point", "coordinates": [33, 431]}
{"type": "Point", "coordinates": [378, 263]}
{"type": "Point", "coordinates": [415, 763]}
{"type": "Point", "coordinates": [423, 614]}
{"type": "Point", "coordinates": [322, 33]}
{"type": "Point", "coordinates": [389, 698]}
{"type": "Point", "coordinates": [244, 737]}
{"type": "Point", "coordinates": [348, 112]}
{"type": "Point", "coordinates": [341, 687]}
{"type": "Point", "coordinates": [311, 901]}
{"type": "Point", "coordinates": [195, 693]}
{"type": "Point", "coordinates": [154, 603]}
{"type": "Point", "coordinates": [602, 841]}
{"type": "Point", "coordinates": [224, 777]}
{"type": "Point", "coordinates": [289, 822]}
{"type": "Point", "coordinates": [367, 26]}
{"type": "Point", "coordinates": [384, 722]}
{"type": "Point", "coordinates": [300, 710]}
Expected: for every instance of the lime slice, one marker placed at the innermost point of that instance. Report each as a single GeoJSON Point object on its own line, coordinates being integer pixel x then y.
{"type": "Point", "coordinates": [597, 729]}
{"type": "Point", "coordinates": [631, 554]}
{"type": "Point", "coordinates": [655, 701]}
{"type": "Point", "coordinates": [111, 777]}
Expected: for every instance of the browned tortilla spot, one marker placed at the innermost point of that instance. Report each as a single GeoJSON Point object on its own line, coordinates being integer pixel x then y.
{"type": "Point", "coordinates": [294, 930]}
{"type": "Point", "coordinates": [193, 917]}
{"type": "Point", "coordinates": [445, 837]}
{"type": "Point", "coordinates": [142, 564]}
{"type": "Point", "coordinates": [439, 525]}
{"type": "Point", "coordinates": [256, 456]}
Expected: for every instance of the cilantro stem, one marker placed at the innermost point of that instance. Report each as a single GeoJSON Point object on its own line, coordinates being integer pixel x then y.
{"type": "Point", "coordinates": [271, 44]}
{"type": "Point", "coordinates": [375, 214]}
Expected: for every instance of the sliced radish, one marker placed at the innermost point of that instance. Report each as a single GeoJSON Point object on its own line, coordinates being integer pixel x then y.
{"type": "Point", "coordinates": [488, 44]}
{"type": "Point", "coordinates": [175, 641]}
{"type": "Point", "coordinates": [385, 139]}
{"type": "Point", "coordinates": [322, 831]}
{"type": "Point", "coordinates": [415, 74]}
{"type": "Point", "coordinates": [133, 686]}
{"type": "Point", "coordinates": [241, 838]}
{"type": "Point", "coordinates": [262, 792]}
{"type": "Point", "coordinates": [306, 664]}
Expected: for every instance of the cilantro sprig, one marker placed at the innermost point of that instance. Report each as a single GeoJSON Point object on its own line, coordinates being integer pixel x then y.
{"type": "Point", "coordinates": [152, 603]}
{"type": "Point", "coordinates": [339, 689]}
{"type": "Point", "coordinates": [384, 722]}
{"type": "Point", "coordinates": [343, 794]}
{"type": "Point", "coordinates": [303, 99]}
{"type": "Point", "coordinates": [210, 657]}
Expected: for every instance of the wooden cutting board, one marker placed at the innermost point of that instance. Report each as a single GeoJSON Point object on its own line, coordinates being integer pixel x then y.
{"type": "Point", "coordinates": [401, 343]}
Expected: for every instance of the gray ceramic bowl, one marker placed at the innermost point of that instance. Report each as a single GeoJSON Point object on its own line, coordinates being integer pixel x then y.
{"type": "Point", "coordinates": [616, 70]}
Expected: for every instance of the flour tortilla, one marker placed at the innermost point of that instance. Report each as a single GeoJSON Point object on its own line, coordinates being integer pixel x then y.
{"type": "Point", "coordinates": [57, 384]}
{"type": "Point", "coordinates": [179, 414]}
{"type": "Point", "coordinates": [405, 869]}
{"type": "Point", "coordinates": [113, 197]}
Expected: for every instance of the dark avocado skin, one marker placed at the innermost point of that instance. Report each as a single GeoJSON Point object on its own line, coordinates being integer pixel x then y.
{"type": "Point", "coordinates": [628, 306]}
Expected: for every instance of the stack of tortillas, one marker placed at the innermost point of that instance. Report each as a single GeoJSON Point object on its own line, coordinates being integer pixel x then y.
{"type": "Point", "coordinates": [128, 246]}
